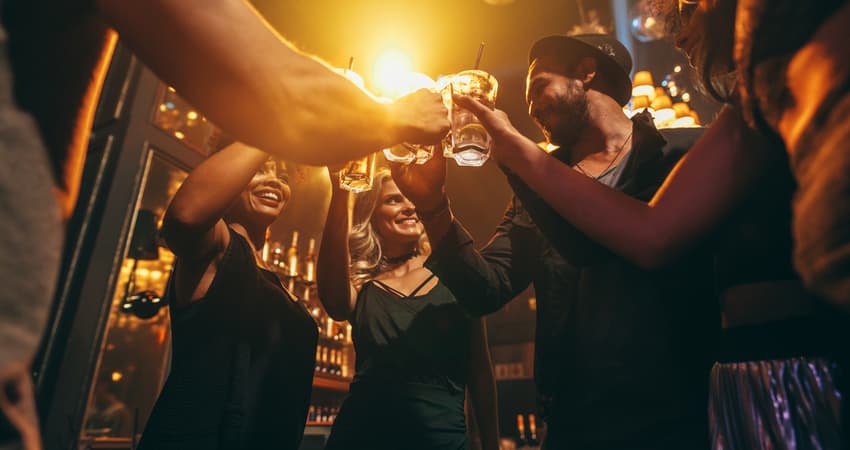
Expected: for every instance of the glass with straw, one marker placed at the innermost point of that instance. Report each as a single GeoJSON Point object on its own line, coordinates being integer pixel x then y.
{"type": "Point", "coordinates": [357, 175]}
{"type": "Point", "coordinates": [468, 142]}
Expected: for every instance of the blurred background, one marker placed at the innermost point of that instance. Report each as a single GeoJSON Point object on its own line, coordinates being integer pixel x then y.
{"type": "Point", "coordinates": [110, 338]}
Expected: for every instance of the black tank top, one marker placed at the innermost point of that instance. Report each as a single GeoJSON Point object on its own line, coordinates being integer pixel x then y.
{"type": "Point", "coordinates": [413, 357]}
{"type": "Point", "coordinates": [242, 364]}
{"type": "Point", "coordinates": [411, 338]}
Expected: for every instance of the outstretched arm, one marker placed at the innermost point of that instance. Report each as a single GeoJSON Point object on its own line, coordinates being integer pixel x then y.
{"type": "Point", "coordinates": [482, 281]}
{"type": "Point", "coordinates": [193, 226]}
{"type": "Point", "coordinates": [227, 61]}
{"type": "Point", "coordinates": [336, 291]}
{"type": "Point", "coordinates": [706, 184]}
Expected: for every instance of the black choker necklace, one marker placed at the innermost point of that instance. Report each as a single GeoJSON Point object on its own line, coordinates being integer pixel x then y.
{"type": "Point", "coordinates": [401, 258]}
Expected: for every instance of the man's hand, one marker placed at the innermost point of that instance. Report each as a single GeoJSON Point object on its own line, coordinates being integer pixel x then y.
{"type": "Point", "coordinates": [422, 184]}
{"type": "Point", "coordinates": [507, 141]}
{"type": "Point", "coordinates": [422, 117]}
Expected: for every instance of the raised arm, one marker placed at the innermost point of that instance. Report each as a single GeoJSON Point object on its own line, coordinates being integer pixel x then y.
{"type": "Point", "coordinates": [705, 185]}
{"type": "Point", "coordinates": [482, 387]}
{"type": "Point", "coordinates": [193, 226]}
{"type": "Point", "coordinates": [227, 61]}
{"type": "Point", "coordinates": [483, 281]}
{"type": "Point", "coordinates": [336, 291]}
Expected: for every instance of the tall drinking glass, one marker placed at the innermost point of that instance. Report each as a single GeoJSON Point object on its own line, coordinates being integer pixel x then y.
{"type": "Point", "coordinates": [470, 143]}
{"type": "Point", "coordinates": [357, 175]}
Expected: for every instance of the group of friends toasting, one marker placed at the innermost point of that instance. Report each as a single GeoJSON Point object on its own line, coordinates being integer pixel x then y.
{"type": "Point", "coordinates": [692, 284]}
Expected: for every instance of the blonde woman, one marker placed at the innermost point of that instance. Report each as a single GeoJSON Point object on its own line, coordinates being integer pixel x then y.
{"type": "Point", "coordinates": [417, 352]}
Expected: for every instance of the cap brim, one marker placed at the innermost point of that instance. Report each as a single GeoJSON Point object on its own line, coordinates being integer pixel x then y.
{"type": "Point", "coordinates": [560, 45]}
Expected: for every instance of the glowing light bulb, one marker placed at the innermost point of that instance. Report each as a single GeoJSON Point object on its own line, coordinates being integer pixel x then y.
{"type": "Point", "coordinates": [391, 69]}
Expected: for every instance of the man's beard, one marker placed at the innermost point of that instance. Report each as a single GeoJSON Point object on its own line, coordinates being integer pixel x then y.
{"type": "Point", "coordinates": [563, 119]}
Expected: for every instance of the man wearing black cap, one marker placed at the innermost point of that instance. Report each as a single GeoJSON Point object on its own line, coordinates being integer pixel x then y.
{"type": "Point", "coordinates": [621, 352]}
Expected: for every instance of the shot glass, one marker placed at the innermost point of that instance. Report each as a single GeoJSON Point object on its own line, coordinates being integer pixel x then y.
{"type": "Point", "coordinates": [469, 143]}
{"type": "Point", "coordinates": [357, 175]}
{"type": "Point", "coordinates": [405, 153]}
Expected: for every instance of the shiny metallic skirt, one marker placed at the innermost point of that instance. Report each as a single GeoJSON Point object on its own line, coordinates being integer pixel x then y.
{"type": "Point", "coordinates": [781, 404]}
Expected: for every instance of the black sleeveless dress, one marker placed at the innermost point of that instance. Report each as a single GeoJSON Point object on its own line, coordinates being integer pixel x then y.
{"type": "Point", "coordinates": [242, 364]}
{"type": "Point", "coordinates": [412, 360]}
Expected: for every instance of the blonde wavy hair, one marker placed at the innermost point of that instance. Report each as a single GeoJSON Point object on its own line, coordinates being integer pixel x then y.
{"type": "Point", "coordinates": [364, 243]}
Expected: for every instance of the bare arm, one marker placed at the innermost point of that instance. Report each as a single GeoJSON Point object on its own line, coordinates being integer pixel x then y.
{"type": "Point", "coordinates": [336, 292]}
{"type": "Point", "coordinates": [482, 387]}
{"type": "Point", "coordinates": [226, 60]}
{"type": "Point", "coordinates": [706, 184]}
{"type": "Point", "coordinates": [193, 226]}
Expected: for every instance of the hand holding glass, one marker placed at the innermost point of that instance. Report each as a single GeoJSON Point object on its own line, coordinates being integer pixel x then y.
{"type": "Point", "coordinates": [469, 142]}
{"type": "Point", "coordinates": [357, 175]}
{"type": "Point", "coordinates": [408, 153]}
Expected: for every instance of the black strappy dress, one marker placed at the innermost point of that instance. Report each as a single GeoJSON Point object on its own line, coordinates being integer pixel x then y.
{"type": "Point", "coordinates": [413, 357]}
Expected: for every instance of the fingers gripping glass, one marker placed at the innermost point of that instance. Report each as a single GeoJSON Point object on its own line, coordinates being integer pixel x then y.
{"type": "Point", "coordinates": [357, 175]}
{"type": "Point", "coordinates": [406, 153]}
{"type": "Point", "coordinates": [469, 143]}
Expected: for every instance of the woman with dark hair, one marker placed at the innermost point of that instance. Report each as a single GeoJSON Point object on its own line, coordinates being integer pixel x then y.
{"type": "Point", "coordinates": [417, 352]}
{"type": "Point", "coordinates": [773, 386]}
{"type": "Point", "coordinates": [243, 349]}
{"type": "Point", "coordinates": [796, 85]}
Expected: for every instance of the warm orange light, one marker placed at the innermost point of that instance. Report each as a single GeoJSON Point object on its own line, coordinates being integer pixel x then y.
{"type": "Point", "coordinates": [641, 101]}
{"type": "Point", "coordinates": [392, 73]}
{"type": "Point", "coordinates": [664, 114]}
{"type": "Point", "coordinates": [642, 78]}
{"type": "Point", "coordinates": [117, 376]}
{"type": "Point", "coordinates": [642, 85]}
{"type": "Point", "coordinates": [353, 76]}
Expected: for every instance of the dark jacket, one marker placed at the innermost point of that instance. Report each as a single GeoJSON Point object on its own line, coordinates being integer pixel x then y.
{"type": "Point", "coordinates": [621, 353]}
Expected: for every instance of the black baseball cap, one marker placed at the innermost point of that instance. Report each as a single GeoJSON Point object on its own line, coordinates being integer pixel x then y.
{"type": "Point", "coordinates": [613, 60]}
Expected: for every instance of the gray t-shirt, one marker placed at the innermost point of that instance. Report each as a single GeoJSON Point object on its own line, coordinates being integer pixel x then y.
{"type": "Point", "coordinates": [31, 229]}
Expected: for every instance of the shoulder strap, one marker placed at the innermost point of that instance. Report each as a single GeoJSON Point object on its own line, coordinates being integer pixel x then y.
{"type": "Point", "coordinates": [422, 285]}
{"type": "Point", "coordinates": [389, 288]}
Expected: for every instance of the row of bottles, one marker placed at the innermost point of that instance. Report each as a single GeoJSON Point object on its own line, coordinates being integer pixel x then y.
{"type": "Point", "coordinates": [288, 262]}
{"type": "Point", "coordinates": [323, 415]}
{"type": "Point", "coordinates": [332, 361]}
{"type": "Point", "coordinates": [527, 436]}
{"type": "Point", "coordinates": [329, 330]}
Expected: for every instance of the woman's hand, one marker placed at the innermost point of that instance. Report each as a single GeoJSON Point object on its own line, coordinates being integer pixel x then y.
{"type": "Point", "coordinates": [422, 184]}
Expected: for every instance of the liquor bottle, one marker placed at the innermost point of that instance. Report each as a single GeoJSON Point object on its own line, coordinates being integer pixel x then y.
{"type": "Point", "coordinates": [338, 363]}
{"type": "Point", "coordinates": [311, 414]}
{"type": "Point", "coordinates": [520, 426]}
{"type": "Point", "coordinates": [324, 367]}
{"type": "Point", "coordinates": [309, 268]}
{"type": "Point", "coordinates": [318, 358]}
{"type": "Point", "coordinates": [292, 257]}
{"type": "Point", "coordinates": [277, 255]}
{"type": "Point", "coordinates": [266, 241]}
{"type": "Point", "coordinates": [344, 363]}
{"type": "Point", "coordinates": [532, 430]}
{"type": "Point", "coordinates": [329, 327]}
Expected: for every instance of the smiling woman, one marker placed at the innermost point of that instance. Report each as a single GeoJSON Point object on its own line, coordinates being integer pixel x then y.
{"type": "Point", "coordinates": [243, 349]}
{"type": "Point", "coordinates": [416, 351]}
